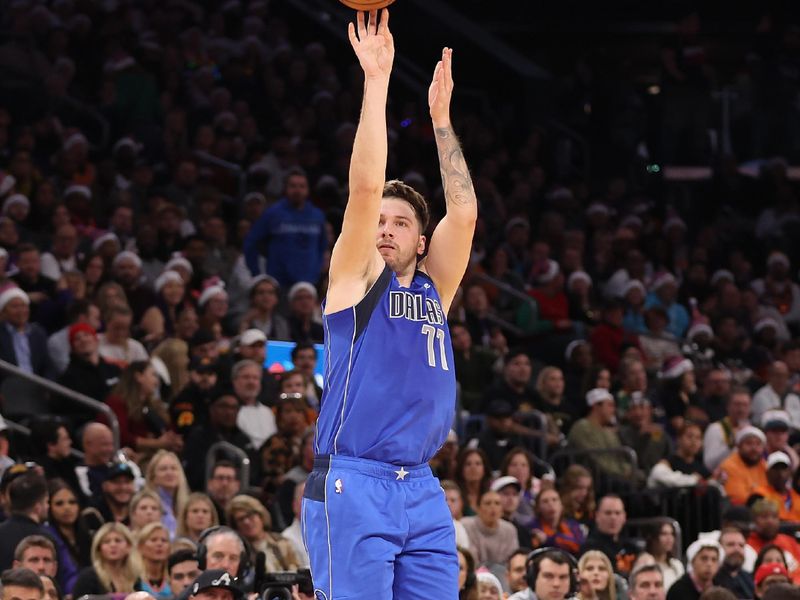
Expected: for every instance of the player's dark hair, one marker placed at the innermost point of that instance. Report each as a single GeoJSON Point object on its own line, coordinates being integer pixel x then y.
{"type": "Point", "coordinates": [397, 189]}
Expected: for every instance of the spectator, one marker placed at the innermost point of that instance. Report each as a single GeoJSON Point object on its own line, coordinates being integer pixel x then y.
{"type": "Point", "coordinates": [595, 568]}
{"type": "Point", "coordinates": [488, 585]}
{"type": "Point", "coordinates": [22, 343]}
{"type": "Point", "coordinates": [21, 583]}
{"type": "Point", "coordinates": [678, 393]}
{"type": "Point", "coordinates": [521, 464]}
{"type": "Point", "coordinates": [304, 358]}
{"type": "Point", "coordinates": [776, 425]}
{"type": "Point", "coordinates": [98, 450]}
{"type": "Point", "coordinates": [704, 558]}
{"type": "Point", "coordinates": [633, 379]}
{"type": "Point", "coordinates": [516, 569]}
{"type": "Point", "coordinates": [53, 448]}
{"type": "Point", "coordinates": [683, 468]}
{"type": "Point", "coordinates": [502, 433]}
{"type": "Point", "coordinates": [198, 514]}
{"type": "Point", "coordinates": [253, 523]}
{"type": "Point", "coordinates": [213, 308]}
{"type": "Point", "coordinates": [127, 271]}
{"type": "Point", "coordinates": [660, 543]}
{"type": "Point", "coordinates": [474, 366]}
{"type": "Point", "coordinates": [663, 294]}
{"type": "Point", "coordinates": [224, 550]}
{"type": "Point", "coordinates": [606, 535]}
{"type": "Point", "coordinates": [222, 485]}
{"type": "Point", "coordinates": [254, 419]}
{"type": "Point", "coordinates": [769, 574]}
{"type": "Point", "coordinates": [455, 502]}
{"type": "Point", "coordinates": [165, 476]}
{"type": "Point", "coordinates": [731, 574]}
{"type": "Point", "coordinates": [36, 553]}
{"type": "Point", "coordinates": [552, 402]}
{"type": "Point", "coordinates": [115, 563]}
{"type": "Point", "coordinates": [552, 578]}
{"type": "Point", "coordinates": [116, 344]}
{"type": "Point", "coordinates": [776, 395]}
{"type": "Point", "coordinates": [473, 476]}
{"type": "Point", "coordinates": [41, 290]}
{"type": "Point", "coordinates": [87, 372]}
{"type": "Point", "coordinates": [183, 570]}
{"type": "Point", "coordinates": [715, 394]}
{"type": "Point", "coordinates": [58, 344]}
{"type": "Point", "coordinates": [781, 591]}
{"type": "Point", "coordinates": [27, 501]}
{"type": "Point", "coordinates": [158, 321]}
{"type": "Point", "coordinates": [765, 531]}
{"type": "Point", "coordinates": [609, 338]}
{"type": "Point", "coordinates": [63, 257]}
{"type": "Point", "coordinates": [745, 470]}
{"type": "Point", "coordinates": [174, 353]}
{"type": "Point", "coordinates": [117, 489]}
{"type": "Point", "coordinates": [189, 407]}
{"type": "Point", "coordinates": [592, 433]}
{"type": "Point", "coordinates": [515, 386]}
{"type": "Point", "coordinates": [69, 532]}
{"type": "Point", "coordinates": [293, 231]}
{"type": "Point", "coordinates": [647, 583]}
{"type": "Point", "coordinates": [778, 489]}
{"type": "Point", "coordinates": [263, 311]}
{"type": "Point", "coordinates": [145, 508]}
{"type": "Point", "coordinates": [152, 543]}
{"type": "Point", "coordinates": [577, 495]}
{"type": "Point", "coordinates": [552, 528]}
{"type": "Point", "coordinates": [304, 325]}
{"type": "Point", "coordinates": [491, 538]}
{"type": "Point", "coordinates": [508, 488]}
{"type": "Point", "coordinates": [639, 432]}
{"type": "Point", "coordinates": [719, 438]}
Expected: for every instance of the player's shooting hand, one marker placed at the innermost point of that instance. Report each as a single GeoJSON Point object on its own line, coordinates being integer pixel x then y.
{"type": "Point", "coordinates": [374, 45]}
{"type": "Point", "coordinates": [441, 90]}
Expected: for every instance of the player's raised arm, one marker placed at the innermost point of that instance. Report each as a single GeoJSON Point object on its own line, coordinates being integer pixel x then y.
{"type": "Point", "coordinates": [451, 241]}
{"type": "Point", "coordinates": [355, 256]}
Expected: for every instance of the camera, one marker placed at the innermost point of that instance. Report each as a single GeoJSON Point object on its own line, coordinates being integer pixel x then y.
{"type": "Point", "coordinates": [278, 584]}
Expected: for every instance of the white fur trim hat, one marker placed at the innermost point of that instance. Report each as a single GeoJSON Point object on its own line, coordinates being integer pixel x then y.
{"type": "Point", "coordinates": [213, 290]}
{"type": "Point", "coordinates": [598, 395]}
{"type": "Point", "coordinates": [299, 287]}
{"type": "Point", "coordinates": [11, 293]}
{"type": "Point", "coordinates": [748, 431]}
{"type": "Point", "coordinates": [165, 278]}
{"type": "Point", "coordinates": [126, 255]}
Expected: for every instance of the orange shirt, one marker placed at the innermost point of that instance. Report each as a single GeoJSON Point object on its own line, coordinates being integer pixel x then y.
{"type": "Point", "coordinates": [741, 480]}
{"type": "Point", "coordinates": [788, 502]}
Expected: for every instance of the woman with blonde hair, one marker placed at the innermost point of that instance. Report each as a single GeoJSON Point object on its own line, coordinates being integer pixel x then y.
{"type": "Point", "coordinates": [174, 353]}
{"type": "Point", "coordinates": [252, 521]}
{"type": "Point", "coordinates": [595, 569]}
{"type": "Point", "coordinates": [198, 514]}
{"type": "Point", "coordinates": [165, 476]}
{"type": "Point", "coordinates": [551, 401]}
{"type": "Point", "coordinates": [115, 563]}
{"type": "Point", "coordinates": [145, 508]}
{"type": "Point", "coordinates": [143, 418]}
{"type": "Point", "coordinates": [152, 542]}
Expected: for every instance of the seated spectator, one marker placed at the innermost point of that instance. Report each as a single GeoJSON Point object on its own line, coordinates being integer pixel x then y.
{"type": "Point", "coordinates": [116, 344]}
{"type": "Point", "coordinates": [639, 432]}
{"type": "Point", "coordinates": [27, 502]}
{"type": "Point", "coordinates": [633, 379]}
{"type": "Point", "coordinates": [166, 478]}
{"type": "Point", "coordinates": [183, 570]}
{"type": "Point", "coordinates": [552, 528]}
{"type": "Point", "coordinates": [776, 425]}
{"type": "Point", "coordinates": [98, 452]}
{"type": "Point", "coordinates": [63, 256]}
{"type": "Point", "coordinates": [152, 543]}
{"type": "Point", "coordinates": [683, 468]}
{"type": "Point", "coordinates": [489, 585]}
{"type": "Point", "coordinates": [595, 568]}
{"type": "Point", "coordinates": [254, 524]}
{"type": "Point", "coordinates": [212, 306]}
{"type": "Point", "coordinates": [254, 419]}
{"type": "Point", "coordinates": [609, 338]}
{"type": "Point", "coordinates": [719, 438]}
{"type": "Point", "coordinates": [552, 402]}
{"type": "Point", "coordinates": [768, 575]}
{"type": "Point", "coordinates": [593, 433]}
{"type": "Point", "coordinates": [516, 569]}
{"type": "Point", "coordinates": [51, 590]}
{"type": "Point", "coordinates": [745, 470]}
{"type": "Point", "coordinates": [491, 538]}
{"type": "Point", "coordinates": [174, 353]}
{"type": "Point", "coordinates": [189, 407]}
{"type": "Point", "coordinates": [473, 476]}
{"type": "Point", "coordinates": [777, 395]}
{"type": "Point", "coordinates": [678, 393]}
{"type": "Point", "coordinates": [658, 344]}
{"type": "Point", "coordinates": [455, 502]}
{"type": "Point", "coordinates": [68, 529]}
{"type": "Point", "coordinates": [222, 485]}
{"type": "Point", "coordinates": [765, 531]}
{"type": "Point", "coordinates": [715, 392]}
{"type": "Point", "coordinates": [53, 451]}
{"type": "Point", "coordinates": [21, 584]}
{"type": "Point", "coordinates": [304, 358]}
{"type": "Point", "coordinates": [143, 418]}
{"type": "Point", "coordinates": [521, 464]}
{"type": "Point", "coordinates": [252, 345]}
{"type": "Point", "coordinates": [647, 583]}
{"type": "Point", "coordinates": [502, 433]}
{"type": "Point", "coordinates": [37, 553]}
{"type": "Point", "coordinates": [508, 488]}
{"type": "Point", "coordinates": [660, 543]}
{"type": "Point", "coordinates": [577, 495]}
{"type": "Point", "coordinates": [158, 321]}
{"type": "Point", "coordinates": [474, 366]}
{"type": "Point", "coordinates": [263, 312]}
{"type": "Point", "coordinates": [221, 427]}
{"type": "Point", "coordinates": [633, 296]}
{"type": "Point", "coordinates": [553, 578]}
{"type": "Point", "coordinates": [303, 321]}
{"type": "Point", "coordinates": [778, 490]}
{"type": "Point", "coordinates": [145, 508]}
{"type": "Point", "coordinates": [22, 343]}
{"type": "Point", "coordinates": [126, 269]}
{"type": "Point", "coordinates": [199, 513]}
{"type": "Point", "coordinates": [704, 558]}
{"type": "Point", "coordinates": [117, 489]}
{"type": "Point", "coordinates": [87, 373]}
{"type": "Point", "coordinates": [663, 293]}
{"type": "Point", "coordinates": [731, 574]}
{"type": "Point", "coordinates": [515, 386]}
{"type": "Point", "coordinates": [58, 344]}
{"type": "Point", "coordinates": [606, 535]}
{"type": "Point", "coordinates": [40, 289]}
{"type": "Point", "coordinates": [115, 563]}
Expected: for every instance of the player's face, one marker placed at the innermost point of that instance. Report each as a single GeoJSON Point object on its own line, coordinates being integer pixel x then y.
{"type": "Point", "coordinates": [398, 238]}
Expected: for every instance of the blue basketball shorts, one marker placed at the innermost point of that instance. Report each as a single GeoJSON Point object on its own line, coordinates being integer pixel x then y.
{"type": "Point", "coordinates": [377, 531]}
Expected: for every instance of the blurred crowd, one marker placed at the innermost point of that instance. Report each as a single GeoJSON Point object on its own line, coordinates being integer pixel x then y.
{"type": "Point", "coordinates": [617, 338]}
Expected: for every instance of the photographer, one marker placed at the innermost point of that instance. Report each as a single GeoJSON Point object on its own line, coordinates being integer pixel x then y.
{"type": "Point", "coordinates": [215, 584]}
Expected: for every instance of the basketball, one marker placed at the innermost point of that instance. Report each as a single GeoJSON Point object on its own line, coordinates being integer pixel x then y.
{"type": "Point", "coordinates": [366, 5]}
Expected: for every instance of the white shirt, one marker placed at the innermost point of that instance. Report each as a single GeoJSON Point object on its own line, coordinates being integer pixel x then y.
{"type": "Point", "coordinates": [294, 535]}
{"type": "Point", "coordinates": [766, 398]}
{"type": "Point", "coordinates": [122, 356]}
{"type": "Point", "coordinates": [54, 268]}
{"type": "Point", "coordinates": [59, 350]}
{"type": "Point", "coordinates": [257, 422]}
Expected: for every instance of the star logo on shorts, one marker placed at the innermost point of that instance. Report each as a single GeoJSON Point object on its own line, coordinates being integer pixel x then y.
{"type": "Point", "coordinates": [401, 474]}
{"type": "Point", "coordinates": [426, 285]}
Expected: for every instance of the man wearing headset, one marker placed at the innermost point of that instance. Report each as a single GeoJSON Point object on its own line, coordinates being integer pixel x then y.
{"type": "Point", "coordinates": [550, 576]}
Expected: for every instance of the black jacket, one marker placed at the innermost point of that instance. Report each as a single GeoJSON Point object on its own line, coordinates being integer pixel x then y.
{"type": "Point", "coordinates": [621, 552]}
{"type": "Point", "coordinates": [683, 589]}
{"type": "Point", "coordinates": [87, 378]}
{"type": "Point", "coordinates": [12, 531]}
{"type": "Point", "coordinates": [741, 584]}
{"type": "Point", "coordinates": [198, 443]}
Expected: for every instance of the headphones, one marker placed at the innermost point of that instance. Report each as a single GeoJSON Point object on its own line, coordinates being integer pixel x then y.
{"type": "Point", "coordinates": [244, 557]}
{"type": "Point", "coordinates": [537, 556]}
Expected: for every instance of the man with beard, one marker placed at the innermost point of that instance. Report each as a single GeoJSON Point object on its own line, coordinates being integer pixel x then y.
{"type": "Point", "coordinates": [116, 493]}
{"type": "Point", "coordinates": [731, 574]}
{"type": "Point", "coordinates": [765, 531]}
{"type": "Point", "coordinates": [777, 425]}
{"type": "Point", "coordinates": [188, 408]}
{"type": "Point", "coordinates": [127, 271]}
{"type": "Point", "coordinates": [777, 395]}
{"type": "Point", "coordinates": [745, 470]}
{"type": "Point", "coordinates": [778, 490]}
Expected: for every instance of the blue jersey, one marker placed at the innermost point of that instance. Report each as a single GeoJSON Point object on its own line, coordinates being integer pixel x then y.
{"type": "Point", "coordinates": [390, 385]}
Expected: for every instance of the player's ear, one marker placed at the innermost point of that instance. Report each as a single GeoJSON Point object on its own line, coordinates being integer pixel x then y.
{"type": "Point", "coordinates": [421, 245]}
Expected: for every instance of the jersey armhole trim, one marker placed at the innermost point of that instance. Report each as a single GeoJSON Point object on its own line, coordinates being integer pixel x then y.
{"type": "Point", "coordinates": [363, 310]}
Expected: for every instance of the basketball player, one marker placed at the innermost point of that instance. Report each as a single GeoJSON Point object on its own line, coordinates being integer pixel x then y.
{"type": "Point", "coordinates": [375, 519]}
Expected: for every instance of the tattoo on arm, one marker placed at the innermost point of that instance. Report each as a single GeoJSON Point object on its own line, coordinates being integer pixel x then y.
{"type": "Point", "coordinates": [458, 189]}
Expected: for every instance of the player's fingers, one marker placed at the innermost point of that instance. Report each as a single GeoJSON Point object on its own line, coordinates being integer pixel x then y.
{"type": "Point", "coordinates": [385, 21]}
{"type": "Point", "coordinates": [448, 67]}
{"type": "Point", "coordinates": [351, 33]}
{"type": "Point", "coordinates": [373, 22]}
{"type": "Point", "coordinates": [362, 29]}
{"type": "Point", "coordinates": [437, 72]}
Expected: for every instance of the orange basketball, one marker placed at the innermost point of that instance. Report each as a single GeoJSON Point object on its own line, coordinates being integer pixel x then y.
{"type": "Point", "coordinates": [366, 5]}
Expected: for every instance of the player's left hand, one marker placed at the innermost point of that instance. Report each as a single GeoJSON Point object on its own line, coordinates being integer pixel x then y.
{"type": "Point", "coordinates": [441, 90]}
